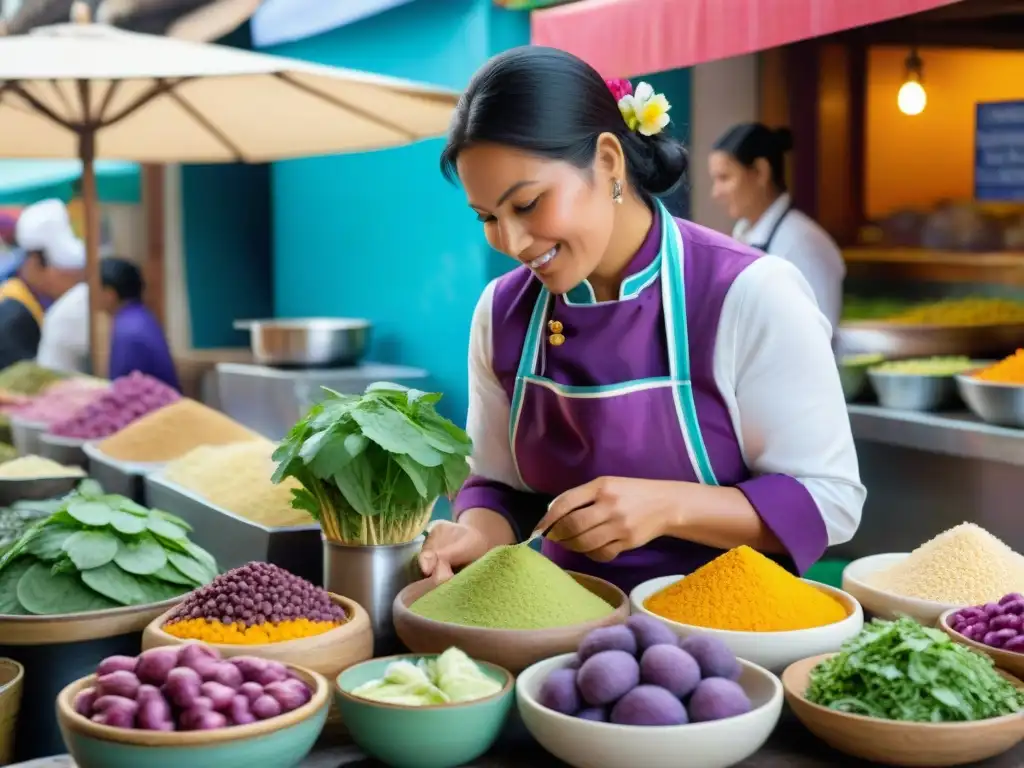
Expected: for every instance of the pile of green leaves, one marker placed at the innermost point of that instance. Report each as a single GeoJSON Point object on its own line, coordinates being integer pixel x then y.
{"type": "Point", "coordinates": [372, 465]}
{"type": "Point", "coordinates": [16, 519]}
{"type": "Point", "coordinates": [899, 670]}
{"type": "Point", "coordinates": [97, 552]}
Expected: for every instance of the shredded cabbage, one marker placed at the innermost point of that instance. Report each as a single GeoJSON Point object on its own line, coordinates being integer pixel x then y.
{"type": "Point", "coordinates": [452, 677]}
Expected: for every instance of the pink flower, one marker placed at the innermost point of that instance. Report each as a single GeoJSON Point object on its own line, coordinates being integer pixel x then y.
{"type": "Point", "coordinates": [619, 87]}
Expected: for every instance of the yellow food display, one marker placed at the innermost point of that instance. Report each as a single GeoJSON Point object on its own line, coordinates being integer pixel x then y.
{"type": "Point", "coordinates": [1009, 370]}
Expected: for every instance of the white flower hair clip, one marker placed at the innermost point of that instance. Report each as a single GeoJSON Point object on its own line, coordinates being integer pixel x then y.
{"type": "Point", "coordinates": [644, 111]}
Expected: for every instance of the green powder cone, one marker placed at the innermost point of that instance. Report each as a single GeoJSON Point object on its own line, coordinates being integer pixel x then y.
{"type": "Point", "coordinates": [512, 587]}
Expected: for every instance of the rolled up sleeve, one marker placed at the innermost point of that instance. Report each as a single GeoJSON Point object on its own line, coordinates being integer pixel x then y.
{"type": "Point", "coordinates": [494, 483]}
{"type": "Point", "coordinates": [776, 370]}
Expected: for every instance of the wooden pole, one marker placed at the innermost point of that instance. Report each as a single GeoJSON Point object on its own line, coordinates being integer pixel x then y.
{"type": "Point", "coordinates": [91, 204]}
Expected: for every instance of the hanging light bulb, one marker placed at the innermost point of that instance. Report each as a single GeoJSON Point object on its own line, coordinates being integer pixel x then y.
{"type": "Point", "coordinates": [912, 98]}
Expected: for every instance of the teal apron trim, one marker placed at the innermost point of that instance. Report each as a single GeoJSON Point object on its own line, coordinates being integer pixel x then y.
{"type": "Point", "coordinates": [669, 264]}
{"type": "Point", "coordinates": [583, 294]}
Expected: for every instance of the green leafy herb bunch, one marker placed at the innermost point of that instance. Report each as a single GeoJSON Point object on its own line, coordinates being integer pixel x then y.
{"type": "Point", "coordinates": [371, 466]}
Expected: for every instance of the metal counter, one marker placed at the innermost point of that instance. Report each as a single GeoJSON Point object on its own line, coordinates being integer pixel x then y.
{"type": "Point", "coordinates": [926, 472]}
{"type": "Point", "coordinates": [270, 400]}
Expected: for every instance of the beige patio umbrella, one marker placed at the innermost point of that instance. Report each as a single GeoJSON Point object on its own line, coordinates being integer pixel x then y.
{"type": "Point", "coordinates": [91, 92]}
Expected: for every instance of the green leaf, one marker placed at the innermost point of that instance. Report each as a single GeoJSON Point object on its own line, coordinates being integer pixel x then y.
{"type": "Point", "coordinates": [93, 513]}
{"type": "Point", "coordinates": [143, 557]}
{"type": "Point", "coordinates": [171, 574]}
{"type": "Point", "coordinates": [193, 569]}
{"type": "Point", "coordinates": [9, 605]}
{"type": "Point", "coordinates": [91, 549]}
{"type": "Point", "coordinates": [127, 505]}
{"type": "Point", "coordinates": [354, 481]}
{"type": "Point", "coordinates": [158, 590]}
{"type": "Point", "coordinates": [48, 543]}
{"type": "Point", "coordinates": [395, 433]}
{"type": "Point", "coordinates": [127, 523]}
{"type": "Point", "coordinates": [181, 523]}
{"type": "Point", "coordinates": [164, 528]}
{"type": "Point", "coordinates": [89, 489]}
{"type": "Point", "coordinates": [419, 476]}
{"type": "Point", "coordinates": [115, 584]}
{"type": "Point", "coordinates": [46, 594]}
{"type": "Point", "coordinates": [202, 557]}
{"type": "Point", "coordinates": [456, 471]}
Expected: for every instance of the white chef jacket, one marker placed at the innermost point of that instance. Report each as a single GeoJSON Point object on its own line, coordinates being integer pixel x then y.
{"type": "Point", "coordinates": [802, 242]}
{"type": "Point", "coordinates": [64, 345]}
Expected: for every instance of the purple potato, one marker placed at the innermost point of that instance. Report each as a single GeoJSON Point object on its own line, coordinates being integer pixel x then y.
{"type": "Point", "coordinates": [201, 719]}
{"type": "Point", "coordinates": [220, 695]}
{"type": "Point", "coordinates": [155, 664]}
{"type": "Point", "coordinates": [119, 683]}
{"type": "Point", "coordinates": [649, 705]}
{"type": "Point", "coordinates": [1016, 607]}
{"type": "Point", "coordinates": [239, 713]}
{"type": "Point", "coordinates": [616, 638]}
{"type": "Point", "coordinates": [116, 664]}
{"type": "Point", "coordinates": [189, 652]}
{"type": "Point", "coordinates": [671, 668]}
{"type": "Point", "coordinates": [274, 672]}
{"type": "Point", "coordinates": [999, 638]}
{"type": "Point", "coordinates": [85, 700]}
{"type": "Point", "coordinates": [115, 711]}
{"type": "Point", "coordinates": [1015, 644]}
{"type": "Point", "coordinates": [249, 666]}
{"type": "Point", "coordinates": [649, 631]}
{"type": "Point", "coordinates": [229, 675]}
{"type": "Point", "coordinates": [155, 714]}
{"type": "Point", "coordinates": [574, 662]}
{"type": "Point", "coordinates": [1010, 598]}
{"type": "Point", "coordinates": [558, 692]}
{"type": "Point", "coordinates": [607, 676]}
{"type": "Point", "coordinates": [251, 691]}
{"type": "Point", "coordinates": [594, 714]}
{"type": "Point", "coordinates": [717, 698]}
{"type": "Point", "coordinates": [265, 707]}
{"type": "Point", "coordinates": [714, 657]}
{"type": "Point", "coordinates": [290, 694]}
{"type": "Point", "coordinates": [182, 686]}
{"type": "Point", "coordinates": [1006, 621]}
{"type": "Point", "coordinates": [993, 609]}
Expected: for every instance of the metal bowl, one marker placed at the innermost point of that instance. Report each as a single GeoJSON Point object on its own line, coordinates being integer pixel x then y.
{"type": "Point", "coordinates": [36, 488]}
{"type": "Point", "coordinates": [309, 342]}
{"type": "Point", "coordinates": [64, 450]}
{"type": "Point", "coordinates": [26, 435]}
{"type": "Point", "coordinates": [912, 392]}
{"type": "Point", "coordinates": [897, 341]}
{"type": "Point", "coordinates": [1001, 404]}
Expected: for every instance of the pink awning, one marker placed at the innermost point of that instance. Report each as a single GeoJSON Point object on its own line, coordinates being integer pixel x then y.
{"type": "Point", "coordinates": [625, 38]}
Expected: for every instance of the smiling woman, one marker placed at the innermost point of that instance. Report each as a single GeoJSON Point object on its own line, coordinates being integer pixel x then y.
{"type": "Point", "coordinates": [653, 391]}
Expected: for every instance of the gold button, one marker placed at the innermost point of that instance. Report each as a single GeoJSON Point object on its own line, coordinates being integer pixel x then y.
{"type": "Point", "coordinates": [555, 326]}
{"type": "Point", "coordinates": [556, 339]}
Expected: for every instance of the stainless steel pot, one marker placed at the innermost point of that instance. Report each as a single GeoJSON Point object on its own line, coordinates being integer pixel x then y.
{"type": "Point", "coordinates": [308, 342]}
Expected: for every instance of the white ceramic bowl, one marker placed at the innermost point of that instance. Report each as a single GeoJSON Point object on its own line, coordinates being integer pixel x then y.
{"type": "Point", "coordinates": [586, 744]}
{"type": "Point", "coordinates": [886, 605]}
{"type": "Point", "coordinates": [773, 650]}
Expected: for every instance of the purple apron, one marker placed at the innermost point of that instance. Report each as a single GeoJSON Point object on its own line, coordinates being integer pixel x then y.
{"type": "Point", "coordinates": [644, 428]}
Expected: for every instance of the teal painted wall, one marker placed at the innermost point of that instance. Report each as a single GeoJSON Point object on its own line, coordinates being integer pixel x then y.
{"type": "Point", "coordinates": [381, 235]}
{"type": "Point", "coordinates": [226, 244]}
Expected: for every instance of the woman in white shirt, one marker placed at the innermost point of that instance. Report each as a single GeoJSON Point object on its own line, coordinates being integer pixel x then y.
{"type": "Point", "coordinates": [748, 175]}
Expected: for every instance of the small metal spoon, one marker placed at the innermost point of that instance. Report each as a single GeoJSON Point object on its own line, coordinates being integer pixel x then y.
{"type": "Point", "coordinates": [537, 535]}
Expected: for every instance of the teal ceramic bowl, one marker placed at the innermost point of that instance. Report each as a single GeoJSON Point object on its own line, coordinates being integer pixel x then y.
{"type": "Point", "coordinates": [282, 742]}
{"type": "Point", "coordinates": [442, 736]}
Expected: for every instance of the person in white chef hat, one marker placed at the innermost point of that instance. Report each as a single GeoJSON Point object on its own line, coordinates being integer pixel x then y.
{"type": "Point", "coordinates": [44, 230]}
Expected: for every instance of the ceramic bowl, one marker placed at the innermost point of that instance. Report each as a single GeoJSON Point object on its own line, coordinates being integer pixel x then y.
{"type": "Point", "coordinates": [282, 742]}
{"type": "Point", "coordinates": [327, 654]}
{"type": "Point", "coordinates": [443, 736]}
{"type": "Point", "coordinates": [588, 744]}
{"type": "Point", "coordinates": [513, 649]}
{"type": "Point", "coordinates": [81, 627]}
{"type": "Point", "coordinates": [886, 605]}
{"type": "Point", "coordinates": [12, 679]}
{"type": "Point", "coordinates": [773, 650]}
{"type": "Point", "coordinates": [1010, 661]}
{"type": "Point", "coordinates": [890, 742]}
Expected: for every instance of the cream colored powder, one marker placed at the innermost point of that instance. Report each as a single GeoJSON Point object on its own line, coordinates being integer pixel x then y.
{"type": "Point", "coordinates": [236, 478]}
{"type": "Point", "coordinates": [172, 431]}
{"type": "Point", "coordinates": [965, 565]}
{"type": "Point", "coordinates": [34, 467]}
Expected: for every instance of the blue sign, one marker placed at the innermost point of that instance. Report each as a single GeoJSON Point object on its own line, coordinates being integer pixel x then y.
{"type": "Point", "coordinates": [999, 151]}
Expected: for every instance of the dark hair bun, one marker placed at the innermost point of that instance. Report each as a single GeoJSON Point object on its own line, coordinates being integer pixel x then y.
{"type": "Point", "coordinates": [784, 139]}
{"type": "Point", "coordinates": [657, 164]}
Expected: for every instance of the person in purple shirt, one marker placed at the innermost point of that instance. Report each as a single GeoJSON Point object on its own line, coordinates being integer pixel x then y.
{"type": "Point", "coordinates": [137, 342]}
{"type": "Point", "coordinates": [646, 392]}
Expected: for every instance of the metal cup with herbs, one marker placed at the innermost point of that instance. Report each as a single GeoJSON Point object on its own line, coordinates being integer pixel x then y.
{"type": "Point", "coordinates": [371, 466]}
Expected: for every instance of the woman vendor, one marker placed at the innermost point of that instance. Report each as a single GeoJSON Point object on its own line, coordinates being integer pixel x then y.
{"type": "Point", "coordinates": [655, 391]}
{"type": "Point", "coordinates": [748, 178]}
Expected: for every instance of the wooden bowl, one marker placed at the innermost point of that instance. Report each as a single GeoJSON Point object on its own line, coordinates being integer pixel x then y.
{"type": "Point", "coordinates": [12, 677]}
{"type": "Point", "coordinates": [513, 649]}
{"type": "Point", "coordinates": [281, 742]}
{"type": "Point", "coordinates": [890, 742]}
{"type": "Point", "coordinates": [326, 654]}
{"type": "Point", "coordinates": [79, 627]}
{"type": "Point", "coordinates": [1010, 661]}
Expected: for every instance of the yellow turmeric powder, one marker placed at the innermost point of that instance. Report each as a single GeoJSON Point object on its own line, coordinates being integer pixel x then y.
{"type": "Point", "coordinates": [209, 631]}
{"type": "Point", "coordinates": [744, 591]}
{"type": "Point", "coordinates": [1009, 370]}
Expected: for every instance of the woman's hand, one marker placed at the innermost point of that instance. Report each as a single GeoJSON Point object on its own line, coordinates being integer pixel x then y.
{"type": "Point", "coordinates": [611, 515]}
{"type": "Point", "coordinates": [450, 546]}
